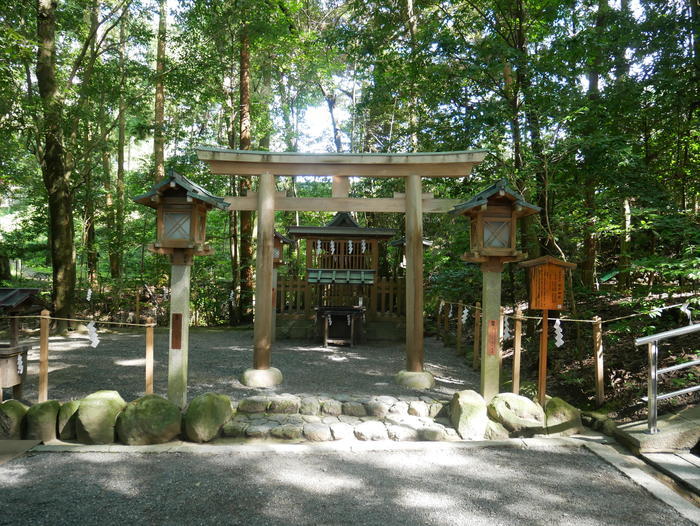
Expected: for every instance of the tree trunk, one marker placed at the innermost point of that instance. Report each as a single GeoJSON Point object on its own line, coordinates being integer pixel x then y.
{"type": "Point", "coordinates": [159, 120]}
{"type": "Point", "coordinates": [117, 249]}
{"type": "Point", "coordinates": [246, 217]}
{"type": "Point", "coordinates": [56, 177]}
{"type": "Point", "coordinates": [591, 158]}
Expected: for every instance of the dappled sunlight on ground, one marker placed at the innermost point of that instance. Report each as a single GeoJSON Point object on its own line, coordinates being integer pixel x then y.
{"type": "Point", "coordinates": [217, 359]}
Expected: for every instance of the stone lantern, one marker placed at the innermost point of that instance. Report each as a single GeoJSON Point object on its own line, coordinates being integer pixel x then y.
{"type": "Point", "coordinates": [181, 225]}
{"type": "Point", "coordinates": [493, 215]}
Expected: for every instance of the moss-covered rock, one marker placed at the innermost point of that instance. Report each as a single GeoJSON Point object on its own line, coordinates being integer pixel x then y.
{"type": "Point", "coordinates": [205, 416]}
{"type": "Point", "coordinates": [562, 418]}
{"type": "Point", "coordinates": [149, 420]}
{"type": "Point", "coordinates": [12, 414]}
{"type": "Point", "coordinates": [41, 421]}
{"type": "Point", "coordinates": [496, 431]}
{"type": "Point", "coordinates": [468, 415]}
{"type": "Point", "coordinates": [97, 416]}
{"type": "Point", "coordinates": [519, 415]}
{"type": "Point", "coordinates": [67, 416]}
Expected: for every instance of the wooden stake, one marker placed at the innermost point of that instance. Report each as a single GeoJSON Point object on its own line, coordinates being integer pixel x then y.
{"type": "Point", "coordinates": [544, 340]}
{"type": "Point", "coordinates": [149, 356]}
{"type": "Point", "coordinates": [476, 352]}
{"type": "Point", "coordinates": [517, 345]}
{"type": "Point", "coordinates": [44, 356]}
{"type": "Point", "coordinates": [598, 359]}
{"type": "Point", "coordinates": [458, 342]}
{"type": "Point", "coordinates": [446, 320]}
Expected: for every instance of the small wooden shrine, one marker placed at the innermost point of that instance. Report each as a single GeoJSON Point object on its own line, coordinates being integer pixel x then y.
{"type": "Point", "coordinates": [13, 355]}
{"type": "Point", "coordinates": [342, 261]}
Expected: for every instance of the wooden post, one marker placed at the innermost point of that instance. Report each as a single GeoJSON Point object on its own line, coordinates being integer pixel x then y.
{"type": "Point", "coordinates": [138, 306]}
{"type": "Point", "coordinates": [544, 341]}
{"type": "Point", "coordinates": [598, 359]}
{"type": "Point", "coordinates": [179, 333]}
{"type": "Point", "coordinates": [414, 274]}
{"type": "Point", "coordinates": [273, 334]}
{"type": "Point", "coordinates": [446, 320]}
{"type": "Point", "coordinates": [476, 351]}
{"type": "Point", "coordinates": [262, 339]}
{"type": "Point", "coordinates": [491, 329]}
{"type": "Point", "coordinates": [307, 285]}
{"type": "Point", "coordinates": [517, 345]}
{"type": "Point", "coordinates": [14, 332]}
{"type": "Point", "coordinates": [458, 337]}
{"type": "Point", "coordinates": [149, 356]}
{"type": "Point", "coordinates": [44, 356]}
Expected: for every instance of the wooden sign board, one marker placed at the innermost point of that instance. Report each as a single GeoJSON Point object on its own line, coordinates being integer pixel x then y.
{"type": "Point", "coordinates": [547, 282]}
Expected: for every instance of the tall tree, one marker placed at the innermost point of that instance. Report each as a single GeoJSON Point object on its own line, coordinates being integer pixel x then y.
{"type": "Point", "coordinates": [159, 119]}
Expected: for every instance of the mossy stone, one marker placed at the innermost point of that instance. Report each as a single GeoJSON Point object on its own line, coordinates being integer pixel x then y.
{"type": "Point", "coordinates": [12, 413]}
{"type": "Point", "coordinates": [67, 416]}
{"type": "Point", "coordinates": [468, 414]}
{"type": "Point", "coordinates": [519, 415]}
{"type": "Point", "coordinates": [149, 420]}
{"type": "Point", "coordinates": [97, 416]}
{"type": "Point", "coordinates": [562, 418]}
{"type": "Point", "coordinates": [205, 416]}
{"type": "Point", "coordinates": [41, 421]}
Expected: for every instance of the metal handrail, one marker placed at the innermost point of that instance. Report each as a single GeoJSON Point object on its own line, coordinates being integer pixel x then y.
{"type": "Point", "coordinates": [653, 397]}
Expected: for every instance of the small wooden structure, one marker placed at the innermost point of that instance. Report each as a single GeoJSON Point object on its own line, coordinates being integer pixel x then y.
{"type": "Point", "coordinates": [181, 227]}
{"type": "Point", "coordinates": [278, 248]}
{"type": "Point", "coordinates": [13, 355]}
{"type": "Point", "coordinates": [547, 282]}
{"type": "Point", "coordinates": [493, 215]}
{"type": "Point", "coordinates": [342, 261]}
{"type": "Point", "coordinates": [546, 292]}
{"type": "Point", "coordinates": [181, 221]}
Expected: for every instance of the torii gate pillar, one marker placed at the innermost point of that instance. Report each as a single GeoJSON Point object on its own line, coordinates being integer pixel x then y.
{"type": "Point", "coordinates": [414, 376]}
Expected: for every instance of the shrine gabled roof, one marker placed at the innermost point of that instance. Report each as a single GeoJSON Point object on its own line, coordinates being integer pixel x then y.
{"type": "Point", "coordinates": [192, 189]}
{"type": "Point", "coordinates": [500, 189]}
{"type": "Point", "coordinates": [341, 226]}
{"type": "Point", "coordinates": [16, 300]}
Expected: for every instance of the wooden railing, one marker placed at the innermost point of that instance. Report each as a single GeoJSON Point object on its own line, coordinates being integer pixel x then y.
{"type": "Point", "coordinates": [386, 298]}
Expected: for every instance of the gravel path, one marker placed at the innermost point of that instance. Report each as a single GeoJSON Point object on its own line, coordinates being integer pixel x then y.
{"type": "Point", "coordinates": [489, 486]}
{"type": "Point", "coordinates": [218, 357]}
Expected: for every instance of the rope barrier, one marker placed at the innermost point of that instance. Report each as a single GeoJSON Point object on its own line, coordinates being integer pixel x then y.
{"type": "Point", "coordinates": [522, 317]}
{"type": "Point", "coordinates": [79, 320]}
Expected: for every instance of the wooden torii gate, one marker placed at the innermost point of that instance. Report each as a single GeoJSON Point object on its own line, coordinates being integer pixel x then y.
{"type": "Point", "coordinates": [412, 167]}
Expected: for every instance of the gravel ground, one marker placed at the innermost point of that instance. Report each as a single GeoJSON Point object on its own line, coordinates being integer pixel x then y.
{"type": "Point", "coordinates": [218, 357]}
{"type": "Point", "coordinates": [489, 486]}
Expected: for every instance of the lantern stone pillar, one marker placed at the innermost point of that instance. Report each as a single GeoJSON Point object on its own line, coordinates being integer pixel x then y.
{"type": "Point", "coordinates": [414, 376]}
{"type": "Point", "coordinates": [491, 329]}
{"type": "Point", "coordinates": [262, 374]}
{"type": "Point", "coordinates": [179, 333]}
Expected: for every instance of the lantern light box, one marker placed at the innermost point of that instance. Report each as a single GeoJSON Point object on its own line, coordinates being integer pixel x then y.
{"type": "Point", "coordinates": [493, 216]}
{"type": "Point", "coordinates": [547, 282]}
{"type": "Point", "coordinates": [278, 247]}
{"type": "Point", "coordinates": [181, 222]}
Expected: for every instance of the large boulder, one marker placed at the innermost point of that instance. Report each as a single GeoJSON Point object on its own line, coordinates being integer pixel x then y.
{"type": "Point", "coordinates": [67, 416]}
{"type": "Point", "coordinates": [41, 421]}
{"type": "Point", "coordinates": [12, 414]}
{"type": "Point", "coordinates": [561, 418]}
{"type": "Point", "coordinates": [149, 420]}
{"type": "Point", "coordinates": [205, 416]}
{"type": "Point", "coordinates": [97, 416]}
{"type": "Point", "coordinates": [468, 415]}
{"type": "Point", "coordinates": [519, 415]}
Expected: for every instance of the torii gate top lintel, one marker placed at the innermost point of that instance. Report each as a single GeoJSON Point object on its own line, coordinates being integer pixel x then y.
{"type": "Point", "coordinates": [246, 162]}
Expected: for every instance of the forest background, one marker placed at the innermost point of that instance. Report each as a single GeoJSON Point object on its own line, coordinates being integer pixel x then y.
{"type": "Point", "coordinates": [588, 107]}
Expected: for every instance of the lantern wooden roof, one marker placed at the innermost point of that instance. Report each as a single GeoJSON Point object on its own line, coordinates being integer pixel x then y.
{"type": "Point", "coordinates": [342, 226]}
{"type": "Point", "coordinates": [191, 189]}
{"type": "Point", "coordinates": [498, 191]}
{"type": "Point", "coordinates": [544, 260]}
